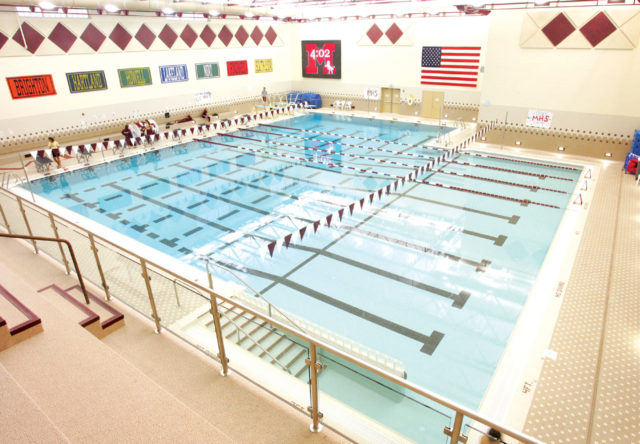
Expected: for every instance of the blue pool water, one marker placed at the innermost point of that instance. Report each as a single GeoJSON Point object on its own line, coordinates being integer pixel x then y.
{"type": "Point", "coordinates": [435, 277]}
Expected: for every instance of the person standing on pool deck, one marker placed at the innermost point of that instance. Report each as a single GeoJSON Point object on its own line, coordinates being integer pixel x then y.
{"type": "Point", "coordinates": [55, 151]}
{"type": "Point", "coordinates": [264, 94]}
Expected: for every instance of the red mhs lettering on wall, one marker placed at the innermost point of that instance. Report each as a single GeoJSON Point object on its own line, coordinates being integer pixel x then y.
{"type": "Point", "coordinates": [320, 57]}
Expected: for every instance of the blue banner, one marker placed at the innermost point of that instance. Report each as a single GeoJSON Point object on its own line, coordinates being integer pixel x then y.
{"type": "Point", "coordinates": [173, 73]}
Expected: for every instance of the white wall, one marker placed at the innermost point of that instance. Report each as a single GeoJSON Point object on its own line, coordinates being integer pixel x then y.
{"type": "Point", "coordinates": [388, 66]}
{"type": "Point", "coordinates": [66, 109]}
{"type": "Point", "coordinates": [585, 88]}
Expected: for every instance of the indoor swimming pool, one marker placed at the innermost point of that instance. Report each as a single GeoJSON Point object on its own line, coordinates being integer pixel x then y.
{"type": "Point", "coordinates": [434, 273]}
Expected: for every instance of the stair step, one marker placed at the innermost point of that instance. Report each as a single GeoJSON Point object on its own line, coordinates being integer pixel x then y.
{"type": "Point", "coordinates": [241, 325]}
{"type": "Point", "coordinates": [262, 339]}
{"type": "Point", "coordinates": [272, 346]}
{"type": "Point", "coordinates": [289, 347]}
{"type": "Point", "coordinates": [296, 357]}
{"type": "Point", "coordinates": [252, 332]}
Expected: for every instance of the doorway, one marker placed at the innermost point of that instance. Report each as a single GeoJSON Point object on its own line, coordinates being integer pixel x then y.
{"type": "Point", "coordinates": [390, 100]}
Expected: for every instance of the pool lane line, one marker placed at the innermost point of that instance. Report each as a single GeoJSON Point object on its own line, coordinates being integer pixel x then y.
{"type": "Point", "coordinates": [302, 159]}
{"type": "Point", "coordinates": [523, 202]}
{"type": "Point", "coordinates": [522, 161]}
{"type": "Point", "coordinates": [501, 182]}
{"type": "Point", "coordinates": [352, 137]}
{"type": "Point", "coordinates": [420, 156]}
{"type": "Point", "coordinates": [479, 265]}
{"type": "Point", "coordinates": [374, 159]}
{"type": "Point", "coordinates": [510, 219]}
{"type": "Point", "coordinates": [507, 170]}
{"type": "Point", "coordinates": [429, 342]}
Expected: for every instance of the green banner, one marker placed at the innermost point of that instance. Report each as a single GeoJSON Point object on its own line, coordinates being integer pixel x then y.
{"type": "Point", "coordinates": [207, 70]}
{"type": "Point", "coordinates": [134, 77]}
{"type": "Point", "coordinates": [86, 81]}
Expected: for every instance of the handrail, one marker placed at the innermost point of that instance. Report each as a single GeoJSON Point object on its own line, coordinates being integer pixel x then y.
{"type": "Point", "coordinates": [59, 241]}
{"type": "Point", "coordinates": [316, 342]}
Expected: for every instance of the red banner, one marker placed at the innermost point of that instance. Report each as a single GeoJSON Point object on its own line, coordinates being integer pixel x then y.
{"type": "Point", "coordinates": [237, 68]}
{"type": "Point", "coordinates": [31, 86]}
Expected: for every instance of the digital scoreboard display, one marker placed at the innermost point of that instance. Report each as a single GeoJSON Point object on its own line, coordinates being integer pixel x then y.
{"type": "Point", "coordinates": [321, 59]}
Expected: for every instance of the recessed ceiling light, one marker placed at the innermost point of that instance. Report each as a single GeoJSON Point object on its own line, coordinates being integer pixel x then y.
{"type": "Point", "coordinates": [111, 8]}
{"type": "Point", "coordinates": [47, 5]}
{"type": "Point", "coordinates": [560, 148]}
{"type": "Point", "coordinates": [518, 142]}
{"type": "Point", "coordinates": [608, 154]}
{"type": "Point", "coordinates": [248, 14]}
{"type": "Point", "coordinates": [214, 13]}
{"type": "Point", "coordinates": [167, 11]}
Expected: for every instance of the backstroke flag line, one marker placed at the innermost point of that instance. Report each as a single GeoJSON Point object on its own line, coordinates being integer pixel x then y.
{"type": "Point", "coordinates": [450, 65]}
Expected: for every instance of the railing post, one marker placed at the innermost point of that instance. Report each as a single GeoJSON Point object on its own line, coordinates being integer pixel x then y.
{"type": "Point", "coordinates": [216, 321]}
{"type": "Point", "coordinates": [99, 265]}
{"type": "Point", "coordinates": [147, 282]}
{"type": "Point", "coordinates": [315, 412]}
{"type": "Point", "coordinates": [4, 218]}
{"type": "Point", "coordinates": [454, 432]}
{"type": "Point", "coordinates": [55, 232]}
{"type": "Point", "coordinates": [26, 221]}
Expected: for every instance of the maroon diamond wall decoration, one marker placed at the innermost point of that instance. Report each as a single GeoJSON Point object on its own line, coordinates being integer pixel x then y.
{"type": "Point", "coordinates": [32, 38]}
{"type": "Point", "coordinates": [241, 35]}
{"type": "Point", "coordinates": [558, 29]}
{"type": "Point", "coordinates": [598, 28]}
{"type": "Point", "coordinates": [93, 37]}
{"type": "Point", "coordinates": [168, 36]}
{"type": "Point", "coordinates": [207, 35]}
{"type": "Point", "coordinates": [17, 37]}
{"type": "Point", "coordinates": [188, 36]}
{"type": "Point", "coordinates": [62, 37]}
{"type": "Point", "coordinates": [374, 33]}
{"type": "Point", "coordinates": [145, 36]}
{"type": "Point", "coordinates": [271, 35]}
{"type": "Point", "coordinates": [256, 35]}
{"type": "Point", "coordinates": [120, 37]}
{"type": "Point", "coordinates": [225, 35]}
{"type": "Point", "coordinates": [394, 33]}
{"type": "Point", "coordinates": [3, 39]}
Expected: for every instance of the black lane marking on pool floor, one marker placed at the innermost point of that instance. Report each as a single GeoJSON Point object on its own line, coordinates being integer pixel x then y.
{"type": "Point", "coordinates": [429, 342]}
{"type": "Point", "coordinates": [162, 218]}
{"type": "Point", "coordinates": [135, 208]}
{"type": "Point", "coordinates": [229, 214]}
{"type": "Point", "coordinates": [171, 194]}
{"type": "Point", "coordinates": [197, 204]}
{"type": "Point", "coordinates": [112, 197]}
{"type": "Point", "coordinates": [231, 190]}
{"type": "Point", "coordinates": [203, 182]}
{"type": "Point", "coordinates": [190, 232]}
{"type": "Point", "coordinates": [260, 199]}
{"type": "Point", "coordinates": [144, 187]}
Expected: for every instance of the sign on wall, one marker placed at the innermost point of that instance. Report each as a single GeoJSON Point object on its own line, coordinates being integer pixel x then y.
{"type": "Point", "coordinates": [31, 86]}
{"type": "Point", "coordinates": [372, 93]}
{"type": "Point", "coordinates": [134, 77]}
{"type": "Point", "coordinates": [203, 98]}
{"type": "Point", "coordinates": [263, 65]}
{"type": "Point", "coordinates": [207, 70]}
{"type": "Point", "coordinates": [539, 119]}
{"type": "Point", "coordinates": [321, 59]}
{"type": "Point", "coordinates": [237, 68]}
{"type": "Point", "coordinates": [173, 73]}
{"type": "Point", "coordinates": [86, 81]}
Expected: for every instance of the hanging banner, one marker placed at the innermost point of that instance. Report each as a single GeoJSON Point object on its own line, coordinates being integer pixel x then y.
{"type": "Point", "coordinates": [86, 81]}
{"type": "Point", "coordinates": [372, 93]}
{"type": "Point", "coordinates": [203, 98]}
{"type": "Point", "coordinates": [173, 73]}
{"type": "Point", "coordinates": [237, 68]}
{"type": "Point", "coordinates": [539, 119]}
{"type": "Point", "coordinates": [31, 86]}
{"type": "Point", "coordinates": [207, 70]}
{"type": "Point", "coordinates": [134, 77]}
{"type": "Point", "coordinates": [263, 65]}
{"type": "Point", "coordinates": [321, 59]}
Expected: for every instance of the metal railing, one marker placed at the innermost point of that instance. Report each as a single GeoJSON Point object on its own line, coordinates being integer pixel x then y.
{"type": "Point", "coordinates": [112, 272]}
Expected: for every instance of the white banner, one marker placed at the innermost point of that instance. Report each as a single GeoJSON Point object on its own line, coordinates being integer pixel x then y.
{"type": "Point", "coordinates": [539, 119]}
{"type": "Point", "coordinates": [372, 93]}
{"type": "Point", "coordinates": [203, 98]}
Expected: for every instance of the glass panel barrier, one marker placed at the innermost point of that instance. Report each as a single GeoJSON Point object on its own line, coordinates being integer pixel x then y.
{"type": "Point", "coordinates": [82, 250]}
{"type": "Point", "coordinates": [393, 406]}
{"type": "Point", "coordinates": [123, 275]}
{"type": "Point", "coordinates": [41, 226]}
{"type": "Point", "coordinates": [12, 213]}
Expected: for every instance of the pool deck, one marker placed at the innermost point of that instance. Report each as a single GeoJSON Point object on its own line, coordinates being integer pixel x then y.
{"type": "Point", "coordinates": [582, 387]}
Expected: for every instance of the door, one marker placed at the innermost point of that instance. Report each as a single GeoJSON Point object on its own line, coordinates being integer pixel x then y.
{"type": "Point", "coordinates": [390, 100]}
{"type": "Point", "coordinates": [432, 104]}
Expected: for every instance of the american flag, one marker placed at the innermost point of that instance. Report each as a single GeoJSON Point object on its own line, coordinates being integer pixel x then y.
{"type": "Point", "coordinates": [450, 65]}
